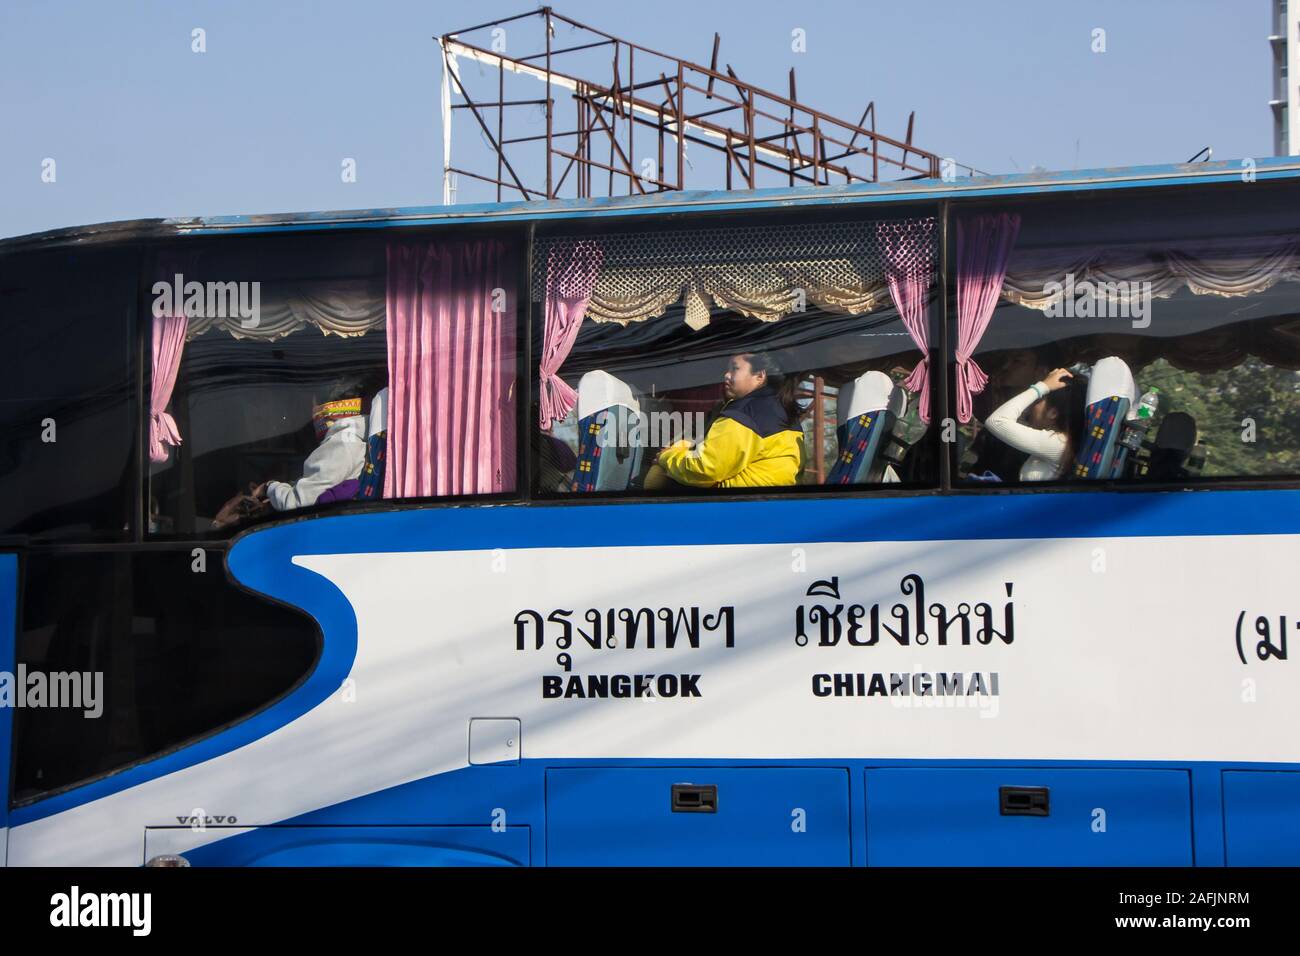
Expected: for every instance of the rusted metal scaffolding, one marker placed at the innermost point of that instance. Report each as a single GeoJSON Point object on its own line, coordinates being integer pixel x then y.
{"type": "Point", "coordinates": [631, 113]}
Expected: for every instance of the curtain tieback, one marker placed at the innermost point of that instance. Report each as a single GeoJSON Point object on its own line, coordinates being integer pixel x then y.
{"type": "Point", "coordinates": [162, 431]}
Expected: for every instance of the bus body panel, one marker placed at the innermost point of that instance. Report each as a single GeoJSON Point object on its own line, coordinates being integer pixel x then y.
{"type": "Point", "coordinates": [947, 817]}
{"type": "Point", "coordinates": [758, 816]}
{"type": "Point", "coordinates": [765, 613]}
{"type": "Point", "coordinates": [1262, 817]}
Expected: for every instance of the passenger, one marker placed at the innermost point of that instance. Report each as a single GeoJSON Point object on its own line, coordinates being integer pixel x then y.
{"type": "Point", "coordinates": [555, 461]}
{"type": "Point", "coordinates": [755, 440]}
{"type": "Point", "coordinates": [338, 459]}
{"type": "Point", "coordinates": [1051, 429]}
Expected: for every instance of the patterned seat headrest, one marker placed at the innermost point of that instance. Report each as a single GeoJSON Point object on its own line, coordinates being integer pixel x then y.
{"type": "Point", "coordinates": [598, 390]}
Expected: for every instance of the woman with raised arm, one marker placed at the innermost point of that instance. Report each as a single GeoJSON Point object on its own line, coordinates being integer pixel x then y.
{"type": "Point", "coordinates": [1053, 411]}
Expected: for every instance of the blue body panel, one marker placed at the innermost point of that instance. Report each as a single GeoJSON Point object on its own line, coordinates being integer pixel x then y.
{"type": "Point", "coordinates": [611, 816]}
{"type": "Point", "coordinates": [877, 813]}
{"type": "Point", "coordinates": [946, 817]}
{"type": "Point", "coordinates": [1261, 818]}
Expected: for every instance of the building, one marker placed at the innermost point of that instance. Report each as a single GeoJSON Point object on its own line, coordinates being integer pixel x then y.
{"type": "Point", "coordinates": [1285, 41]}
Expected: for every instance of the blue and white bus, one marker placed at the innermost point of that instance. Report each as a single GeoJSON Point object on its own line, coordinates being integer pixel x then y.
{"type": "Point", "coordinates": [435, 536]}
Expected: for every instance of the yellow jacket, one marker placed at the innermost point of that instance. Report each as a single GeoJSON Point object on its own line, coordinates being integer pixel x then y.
{"type": "Point", "coordinates": [750, 444]}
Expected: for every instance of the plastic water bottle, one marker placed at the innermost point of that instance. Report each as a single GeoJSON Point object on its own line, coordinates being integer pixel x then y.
{"type": "Point", "coordinates": [1136, 428]}
{"type": "Point", "coordinates": [1147, 404]}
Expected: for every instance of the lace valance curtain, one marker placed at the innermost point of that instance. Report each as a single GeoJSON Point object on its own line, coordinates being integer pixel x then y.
{"type": "Point", "coordinates": [764, 272]}
{"type": "Point", "coordinates": [1039, 279]}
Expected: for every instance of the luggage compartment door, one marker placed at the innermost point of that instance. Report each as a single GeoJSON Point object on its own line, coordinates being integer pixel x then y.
{"type": "Point", "coordinates": [1022, 816]}
{"type": "Point", "coordinates": [1261, 817]}
{"type": "Point", "coordinates": [697, 816]}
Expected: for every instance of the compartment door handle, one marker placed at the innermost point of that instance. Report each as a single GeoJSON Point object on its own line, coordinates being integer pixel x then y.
{"type": "Point", "coordinates": [1024, 801]}
{"type": "Point", "coordinates": [695, 798]}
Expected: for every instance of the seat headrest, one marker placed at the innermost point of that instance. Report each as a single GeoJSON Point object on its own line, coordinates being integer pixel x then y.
{"type": "Point", "coordinates": [378, 420]}
{"type": "Point", "coordinates": [598, 390]}
{"type": "Point", "coordinates": [870, 392]}
{"type": "Point", "coordinates": [1111, 378]}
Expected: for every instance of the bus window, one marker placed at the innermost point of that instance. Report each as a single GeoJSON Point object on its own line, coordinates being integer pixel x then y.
{"type": "Point", "coordinates": [733, 358]}
{"type": "Point", "coordinates": [156, 654]}
{"type": "Point", "coordinates": [67, 412]}
{"type": "Point", "coordinates": [1177, 325]}
{"type": "Point", "coordinates": [280, 396]}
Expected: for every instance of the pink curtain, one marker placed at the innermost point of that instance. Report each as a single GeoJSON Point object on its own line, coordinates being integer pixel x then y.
{"type": "Point", "coordinates": [571, 270]}
{"type": "Point", "coordinates": [983, 248]}
{"type": "Point", "coordinates": [451, 368]}
{"type": "Point", "coordinates": [907, 248]}
{"type": "Point", "coordinates": [168, 343]}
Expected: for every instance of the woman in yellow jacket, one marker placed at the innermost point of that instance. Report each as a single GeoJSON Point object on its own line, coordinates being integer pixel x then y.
{"type": "Point", "coordinates": [755, 441]}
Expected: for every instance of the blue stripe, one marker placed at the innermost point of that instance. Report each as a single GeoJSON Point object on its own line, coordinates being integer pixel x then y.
{"type": "Point", "coordinates": [911, 191]}
{"type": "Point", "coordinates": [797, 519]}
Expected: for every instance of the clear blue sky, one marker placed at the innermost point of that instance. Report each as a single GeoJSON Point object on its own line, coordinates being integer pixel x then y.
{"type": "Point", "coordinates": [140, 126]}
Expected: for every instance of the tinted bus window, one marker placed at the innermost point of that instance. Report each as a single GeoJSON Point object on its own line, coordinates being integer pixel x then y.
{"type": "Point", "coordinates": [67, 409]}
{"type": "Point", "coordinates": [735, 357]}
{"type": "Point", "coordinates": [316, 371]}
{"type": "Point", "coordinates": [1176, 320]}
{"type": "Point", "coordinates": [178, 655]}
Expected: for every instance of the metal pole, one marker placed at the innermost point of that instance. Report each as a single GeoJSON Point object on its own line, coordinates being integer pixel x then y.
{"type": "Point", "coordinates": [681, 132]}
{"type": "Point", "coordinates": [547, 11]}
{"type": "Point", "coordinates": [501, 116]}
{"type": "Point", "coordinates": [631, 126]}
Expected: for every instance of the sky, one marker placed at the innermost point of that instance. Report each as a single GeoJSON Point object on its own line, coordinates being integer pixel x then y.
{"type": "Point", "coordinates": [139, 125]}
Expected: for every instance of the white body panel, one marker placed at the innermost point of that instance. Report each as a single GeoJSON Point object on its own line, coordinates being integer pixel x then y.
{"type": "Point", "coordinates": [1124, 649]}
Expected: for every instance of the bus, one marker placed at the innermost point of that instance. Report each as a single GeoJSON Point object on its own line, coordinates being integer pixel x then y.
{"type": "Point", "coordinates": [933, 522]}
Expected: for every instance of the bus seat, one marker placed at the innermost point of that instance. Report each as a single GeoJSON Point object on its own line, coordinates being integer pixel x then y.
{"type": "Point", "coordinates": [1110, 398]}
{"type": "Point", "coordinates": [868, 407]}
{"type": "Point", "coordinates": [372, 472]}
{"type": "Point", "coordinates": [606, 405]}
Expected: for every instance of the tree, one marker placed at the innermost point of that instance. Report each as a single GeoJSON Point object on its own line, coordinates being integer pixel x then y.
{"type": "Point", "coordinates": [1247, 416]}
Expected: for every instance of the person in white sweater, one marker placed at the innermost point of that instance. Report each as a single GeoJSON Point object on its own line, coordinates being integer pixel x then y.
{"type": "Point", "coordinates": [339, 456]}
{"type": "Point", "coordinates": [1053, 414]}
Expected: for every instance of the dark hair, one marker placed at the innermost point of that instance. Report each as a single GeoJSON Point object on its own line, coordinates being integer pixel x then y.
{"type": "Point", "coordinates": [784, 385]}
{"type": "Point", "coordinates": [1069, 403]}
